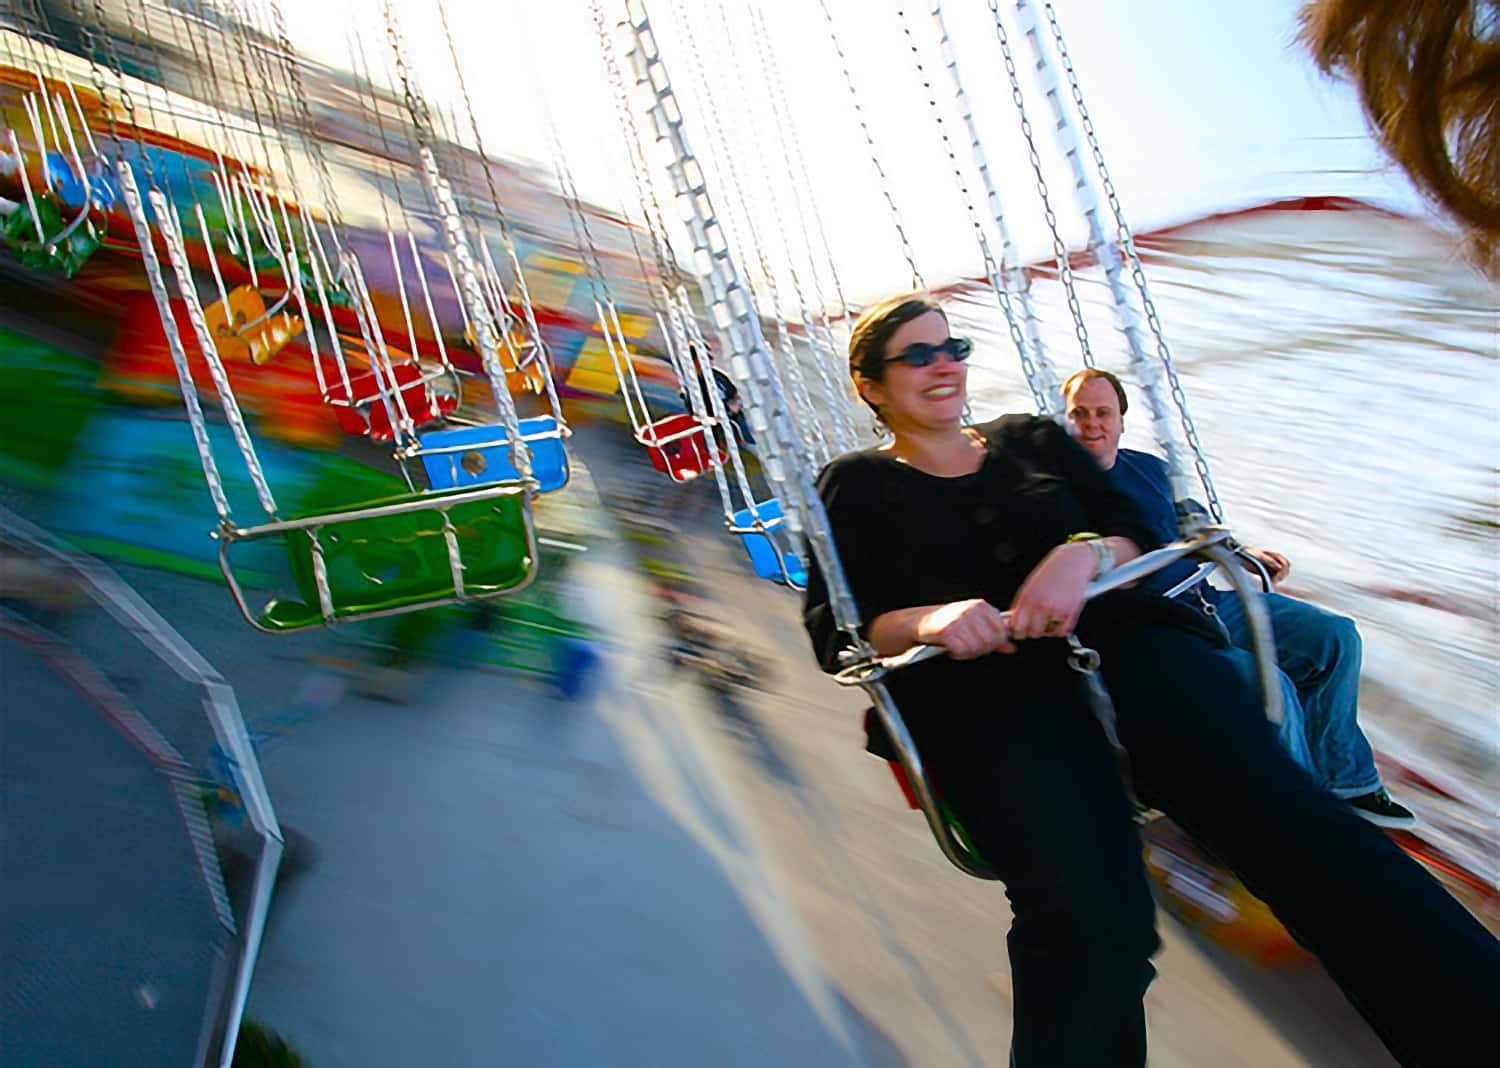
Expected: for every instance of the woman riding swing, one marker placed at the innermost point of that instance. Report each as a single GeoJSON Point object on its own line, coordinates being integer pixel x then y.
{"type": "Point", "coordinates": [945, 523]}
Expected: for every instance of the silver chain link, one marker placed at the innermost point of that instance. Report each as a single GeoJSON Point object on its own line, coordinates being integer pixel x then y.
{"type": "Point", "coordinates": [1059, 248]}
{"type": "Point", "coordinates": [750, 234]}
{"type": "Point", "coordinates": [1034, 363]}
{"type": "Point", "coordinates": [1137, 272]}
{"type": "Point", "coordinates": [796, 163]}
{"type": "Point", "coordinates": [486, 330]}
{"type": "Point", "coordinates": [885, 182]}
{"type": "Point", "coordinates": [735, 316]}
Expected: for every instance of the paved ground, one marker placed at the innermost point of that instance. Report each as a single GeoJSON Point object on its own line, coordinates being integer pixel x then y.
{"type": "Point", "coordinates": [649, 875]}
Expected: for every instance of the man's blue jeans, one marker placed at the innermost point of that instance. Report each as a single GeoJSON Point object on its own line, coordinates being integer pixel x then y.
{"type": "Point", "coordinates": [1319, 654]}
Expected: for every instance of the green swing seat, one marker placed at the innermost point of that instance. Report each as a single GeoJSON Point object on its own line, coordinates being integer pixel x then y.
{"type": "Point", "coordinates": [66, 244]}
{"type": "Point", "coordinates": [395, 555]}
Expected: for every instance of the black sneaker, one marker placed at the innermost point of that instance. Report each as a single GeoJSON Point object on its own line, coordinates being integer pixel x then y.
{"type": "Point", "coordinates": [1379, 809]}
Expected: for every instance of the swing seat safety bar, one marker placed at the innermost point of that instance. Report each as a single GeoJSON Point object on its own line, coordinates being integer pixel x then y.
{"type": "Point", "coordinates": [400, 554]}
{"type": "Point", "coordinates": [362, 411]}
{"type": "Point", "coordinates": [1207, 569]}
{"type": "Point", "coordinates": [476, 455]}
{"type": "Point", "coordinates": [1211, 542]}
{"type": "Point", "coordinates": [877, 668]}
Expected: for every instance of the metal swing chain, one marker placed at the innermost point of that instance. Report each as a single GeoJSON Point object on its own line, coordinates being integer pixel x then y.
{"type": "Point", "coordinates": [324, 275]}
{"type": "Point", "coordinates": [1137, 271]}
{"type": "Point", "coordinates": [668, 277]}
{"type": "Point", "coordinates": [1086, 662]}
{"type": "Point", "coordinates": [1035, 363]}
{"type": "Point", "coordinates": [533, 330]}
{"type": "Point", "coordinates": [661, 242]}
{"type": "Point", "coordinates": [388, 391]}
{"type": "Point", "coordinates": [604, 304]}
{"type": "Point", "coordinates": [453, 232]}
{"type": "Point", "coordinates": [885, 182]}
{"type": "Point", "coordinates": [749, 234]}
{"type": "Point", "coordinates": [1127, 319]}
{"type": "Point", "coordinates": [735, 316]}
{"type": "Point", "coordinates": [1043, 397]}
{"type": "Point", "coordinates": [222, 129]}
{"type": "Point", "coordinates": [136, 209]}
{"type": "Point", "coordinates": [317, 257]}
{"type": "Point", "coordinates": [404, 429]}
{"type": "Point", "coordinates": [791, 150]}
{"type": "Point", "coordinates": [1059, 249]}
{"type": "Point", "coordinates": [33, 109]}
{"type": "Point", "coordinates": [837, 400]}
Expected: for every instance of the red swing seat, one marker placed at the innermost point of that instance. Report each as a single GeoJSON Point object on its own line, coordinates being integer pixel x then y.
{"type": "Point", "coordinates": [364, 411]}
{"type": "Point", "coordinates": [679, 447]}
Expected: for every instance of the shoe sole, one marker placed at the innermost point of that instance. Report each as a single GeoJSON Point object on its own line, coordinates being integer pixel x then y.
{"type": "Point", "coordinates": [1393, 822]}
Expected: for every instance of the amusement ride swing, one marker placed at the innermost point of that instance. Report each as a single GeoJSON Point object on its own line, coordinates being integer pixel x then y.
{"type": "Point", "coordinates": [1241, 920]}
{"type": "Point", "coordinates": [778, 438]}
{"type": "Point", "coordinates": [61, 244]}
{"type": "Point", "coordinates": [681, 445]}
{"type": "Point", "coordinates": [403, 553]}
{"type": "Point", "coordinates": [714, 436]}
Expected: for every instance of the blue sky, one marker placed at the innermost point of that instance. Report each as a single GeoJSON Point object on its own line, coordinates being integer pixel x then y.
{"type": "Point", "coordinates": [1225, 97]}
{"type": "Point", "coordinates": [1200, 105]}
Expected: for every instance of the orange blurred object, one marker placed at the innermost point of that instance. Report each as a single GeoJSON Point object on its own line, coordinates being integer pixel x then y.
{"type": "Point", "coordinates": [242, 330]}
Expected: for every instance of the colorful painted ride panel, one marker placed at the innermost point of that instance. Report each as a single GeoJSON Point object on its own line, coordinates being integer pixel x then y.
{"type": "Point", "coordinates": [133, 490]}
{"type": "Point", "coordinates": [283, 393]}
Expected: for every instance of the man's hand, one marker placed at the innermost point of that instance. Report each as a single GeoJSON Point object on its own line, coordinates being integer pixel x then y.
{"type": "Point", "coordinates": [1276, 565]}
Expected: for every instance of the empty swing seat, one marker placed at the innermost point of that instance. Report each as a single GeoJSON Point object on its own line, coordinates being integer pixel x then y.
{"type": "Point", "coordinates": [394, 554]}
{"type": "Point", "coordinates": [771, 561]}
{"type": "Point", "coordinates": [365, 410]}
{"type": "Point", "coordinates": [679, 447]}
{"type": "Point", "coordinates": [474, 455]}
{"type": "Point", "coordinates": [243, 329]}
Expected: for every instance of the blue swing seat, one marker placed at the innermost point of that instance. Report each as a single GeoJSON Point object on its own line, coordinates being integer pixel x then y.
{"type": "Point", "coordinates": [770, 561]}
{"type": "Point", "coordinates": [474, 455]}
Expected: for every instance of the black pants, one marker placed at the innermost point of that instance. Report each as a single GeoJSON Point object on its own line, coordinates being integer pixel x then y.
{"type": "Point", "coordinates": [1037, 788]}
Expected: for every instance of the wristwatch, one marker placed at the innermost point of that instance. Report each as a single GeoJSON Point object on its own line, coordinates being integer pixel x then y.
{"type": "Point", "coordinates": [1104, 559]}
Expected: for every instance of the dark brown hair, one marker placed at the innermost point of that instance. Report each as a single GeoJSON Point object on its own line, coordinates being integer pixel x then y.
{"type": "Point", "coordinates": [875, 326]}
{"type": "Point", "coordinates": [873, 330]}
{"type": "Point", "coordinates": [1090, 374]}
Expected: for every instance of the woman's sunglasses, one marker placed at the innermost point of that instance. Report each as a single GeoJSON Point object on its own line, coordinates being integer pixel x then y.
{"type": "Point", "coordinates": [921, 354]}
